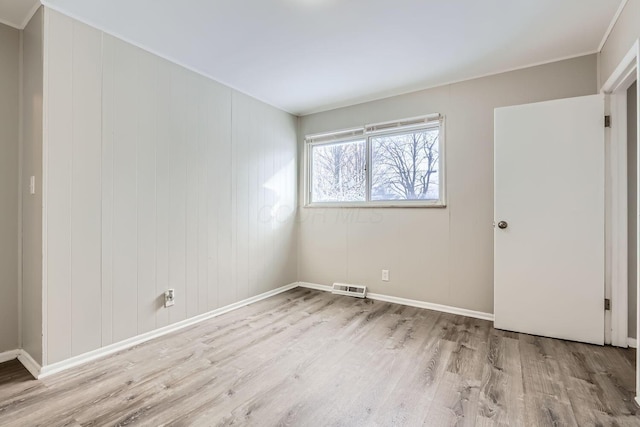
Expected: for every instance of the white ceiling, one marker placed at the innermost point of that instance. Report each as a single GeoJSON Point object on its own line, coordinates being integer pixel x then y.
{"type": "Point", "coordinates": [310, 55]}
{"type": "Point", "coordinates": [16, 13]}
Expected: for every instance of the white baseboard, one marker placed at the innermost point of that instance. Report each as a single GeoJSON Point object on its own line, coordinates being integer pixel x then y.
{"type": "Point", "coordinates": [431, 306]}
{"type": "Point", "coordinates": [412, 303]}
{"type": "Point", "coordinates": [29, 363]}
{"type": "Point", "coordinates": [315, 286]}
{"type": "Point", "coordinates": [632, 342]}
{"type": "Point", "coordinates": [9, 355]}
{"type": "Point", "coordinates": [25, 358]}
{"type": "Point", "coordinates": [54, 368]}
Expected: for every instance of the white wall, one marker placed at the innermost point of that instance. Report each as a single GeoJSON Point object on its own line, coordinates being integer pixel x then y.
{"type": "Point", "coordinates": [441, 256]}
{"type": "Point", "coordinates": [632, 218]}
{"type": "Point", "coordinates": [31, 313]}
{"type": "Point", "coordinates": [9, 147]}
{"type": "Point", "coordinates": [156, 178]}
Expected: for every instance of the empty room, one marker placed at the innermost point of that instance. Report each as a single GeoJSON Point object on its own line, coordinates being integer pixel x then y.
{"type": "Point", "coordinates": [319, 213]}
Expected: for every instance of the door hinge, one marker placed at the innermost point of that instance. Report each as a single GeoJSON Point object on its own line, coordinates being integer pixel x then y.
{"type": "Point", "coordinates": [607, 121]}
{"type": "Point", "coordinates": [607, 304]}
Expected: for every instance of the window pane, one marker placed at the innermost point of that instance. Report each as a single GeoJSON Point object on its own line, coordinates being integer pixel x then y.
{"type": "Point", "coordinates": [405, 166]}
{"type": "Point", "coordinates": [338, 172]}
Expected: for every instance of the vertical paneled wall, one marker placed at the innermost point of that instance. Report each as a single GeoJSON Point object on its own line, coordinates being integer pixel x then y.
{"type": "Point", "coordinates": [157, 178]}
{"type": "Point", "coordinates": [32, 109]}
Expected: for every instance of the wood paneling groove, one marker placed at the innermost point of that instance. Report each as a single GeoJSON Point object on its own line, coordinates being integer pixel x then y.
{"type": "Point", "coordinates": [146, 194]}
{"type": "Point", "coordinates": [108, 117]}
{"type": "Point", "coordinates": [125, 192]}
{"type": "Point", "coordinates": [60, 137]}
{"type": "Point", "coordinates": [163, 114]}
{"type": "Point", "coordinates": [85, 210]}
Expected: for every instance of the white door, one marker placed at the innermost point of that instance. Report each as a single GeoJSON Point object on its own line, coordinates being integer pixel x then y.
{"type": "Point", "coordinates": [549, 194]}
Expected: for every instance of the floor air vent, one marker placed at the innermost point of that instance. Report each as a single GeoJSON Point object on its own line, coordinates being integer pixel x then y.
{"type": "Point", "coordinates": [350, 290]}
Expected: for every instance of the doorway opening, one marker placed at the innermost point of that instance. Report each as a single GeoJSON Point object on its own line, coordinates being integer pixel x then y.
{"type": "Point", "coordinates": [621, 279]}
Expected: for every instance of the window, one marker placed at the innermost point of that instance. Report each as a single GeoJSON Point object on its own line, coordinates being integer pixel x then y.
{"type": "Point", "coordinates": [388, 164]}
{"type": "Point", "coordinates": [339, 172]}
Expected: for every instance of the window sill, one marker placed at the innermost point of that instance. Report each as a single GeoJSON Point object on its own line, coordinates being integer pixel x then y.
{"type": "Point", "coordinates": [367, 205]}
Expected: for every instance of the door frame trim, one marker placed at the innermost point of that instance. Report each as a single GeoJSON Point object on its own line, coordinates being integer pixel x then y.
{"type": "Point", "coordinates": [627, 71]}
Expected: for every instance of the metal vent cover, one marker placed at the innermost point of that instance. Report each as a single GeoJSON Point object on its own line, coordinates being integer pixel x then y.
{"type": "Point", "coordinates": [357, 291]}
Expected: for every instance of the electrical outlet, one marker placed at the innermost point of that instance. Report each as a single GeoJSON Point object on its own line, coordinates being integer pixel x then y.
{"type": "Point", "coordinates": [385, 275]}
{"type": "Point", "coordinates": [169, 297]}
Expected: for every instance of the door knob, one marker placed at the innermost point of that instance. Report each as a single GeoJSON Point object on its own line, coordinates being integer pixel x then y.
{"type": "Point", "coordinates": [502, 225]}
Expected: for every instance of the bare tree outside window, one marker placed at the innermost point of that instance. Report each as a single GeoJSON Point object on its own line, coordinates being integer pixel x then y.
{"type": "Point", "coordinates": [339, 172]}
{"type": "Point", "coordinates": [405, 166]}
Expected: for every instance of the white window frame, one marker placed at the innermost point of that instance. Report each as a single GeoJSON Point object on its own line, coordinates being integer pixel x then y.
{"type": "Point", "coordinates": [366, 133]}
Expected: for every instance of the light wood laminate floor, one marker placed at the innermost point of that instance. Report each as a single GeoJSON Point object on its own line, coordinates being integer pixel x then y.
{"type": "Point", "coordinates": [309, 358]}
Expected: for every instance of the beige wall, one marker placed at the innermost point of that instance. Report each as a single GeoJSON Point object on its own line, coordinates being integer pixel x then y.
{"type": "Point", "coordinates": [441, 256]}
{"type": "Point", "coordinates": [625, 32]}
{"type": "Point", "coordinates": [157, 178]}
{"type": "Point", "coordinates": [9, 160]}
{"type": "Point", "coordinates": [32, 204]}
{"type": "Point", "coordinates": [632, 189]}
